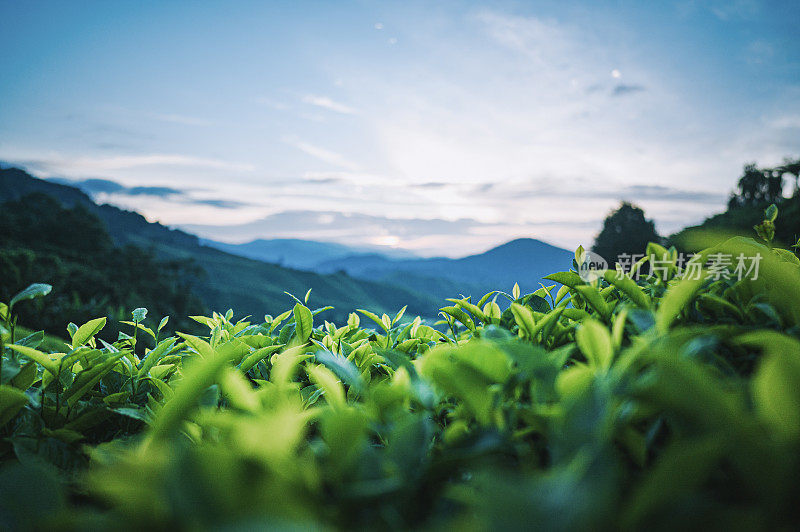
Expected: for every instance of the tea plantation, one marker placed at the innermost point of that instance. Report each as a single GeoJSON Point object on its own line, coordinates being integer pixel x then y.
{"type": "Point", "coordinates": [627, 402]}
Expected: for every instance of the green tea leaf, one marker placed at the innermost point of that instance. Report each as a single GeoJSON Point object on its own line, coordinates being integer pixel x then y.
{"type": "Point", "coordinates": [12, 401]}
{"type": "Point", "coordinates": [329, 384]}
{"type": "Point", "coordinates": [304, 323]}
{"type": "Point", "coordinates": [37, 356]}
{"type": "Point", "coordinates": [628, 286]}
{"type": "Point", "coordinates": [595, 343]}
{"type": "Point", "coordinates": [139, 314]}
{"type": "Point", "coordinates": [33, 291]}
{"type": "Point", "coordinates": [87, 331]}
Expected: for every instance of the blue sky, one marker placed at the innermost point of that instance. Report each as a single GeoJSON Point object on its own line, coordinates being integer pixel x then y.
{"type": "Point", "coordinates": [445, 128]}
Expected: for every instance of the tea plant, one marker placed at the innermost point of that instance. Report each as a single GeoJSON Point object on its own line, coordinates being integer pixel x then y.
{"type": "Point", "coordinates": [626, 402]}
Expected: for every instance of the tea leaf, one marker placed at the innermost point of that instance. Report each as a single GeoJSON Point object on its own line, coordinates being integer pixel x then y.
{"type": "Point", "coordinates": [33, 291]}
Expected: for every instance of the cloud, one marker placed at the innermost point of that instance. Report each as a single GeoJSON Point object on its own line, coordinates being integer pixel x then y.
{"type": "Point", "coordinates": [96, 186]}
{"type": "Point", "coordinates": [623, 89]}
{"type": "Point", "coordinates": [321, 180]}
{"type": "Point", "coordinates": [327, 103]}
{"type": "Point", "coordinates": [93, 165]}
{"type": "Point", "coordinates": [661, 193]}
{"type": "Point", "coordinates": [728, 9]}
{"type": "Point", "coordinates": [152, 191]}
{"type": "Point", "coordinates": [545, 188]}
{"type": "Point", "coordinates": [106, 190]}
{"type": "Point", "coordinates": [91, 186]}
{"type": "Point", "coordinates": [542, 40]}
{"type": "Point", "coordinates": [219, 203]}
{"type": "Point", "coordinates": [324, 155]}
{"type": "Point", "coordinates": [431, 184]}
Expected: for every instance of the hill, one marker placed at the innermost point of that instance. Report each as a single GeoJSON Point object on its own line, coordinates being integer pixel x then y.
{"type": "Point", "coordinates": [227, 281]}
{"type": "Point", "coordinates": [524, 261]}
{"type": "Point", "coordinates": [70, 249]}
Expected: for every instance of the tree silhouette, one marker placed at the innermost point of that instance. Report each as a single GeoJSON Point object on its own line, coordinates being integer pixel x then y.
{"type": "Point", "coordinates": [625, 231]}
{"type": "Point", "coordinates": [758, 187]}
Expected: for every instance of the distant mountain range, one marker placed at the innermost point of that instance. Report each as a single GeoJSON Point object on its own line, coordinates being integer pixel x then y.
{"type": "Point", "coordinates": [300, 254]}
{"type": "Point", "coordinates": [230, 281]}
{"type": "Point", "coordinates": [524, 261]}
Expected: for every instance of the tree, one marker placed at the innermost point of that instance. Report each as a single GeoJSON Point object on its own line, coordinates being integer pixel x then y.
{"type": "Point", "coordinates": [625, 231]}
{"type": "Point", "coordinates": [757, 187]}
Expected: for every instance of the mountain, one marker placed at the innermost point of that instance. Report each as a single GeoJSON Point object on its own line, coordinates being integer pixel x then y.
{"type": "Point", "coordinates": [228, 281]}
{"type": "Point", "coordinates": [295, 253]}
{"type": "Point", "coordinates": [125, 227]}
{"type": "Point", "coordinates": [524, 261]}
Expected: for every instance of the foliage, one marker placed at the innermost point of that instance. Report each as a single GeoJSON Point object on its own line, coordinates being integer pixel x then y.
{"type": "Point", "coordinates": [625, 231]}
{"type": "Point", "coordinates": [740, 221]}
{"type": "Point", "coordinates": [759, 187]}
{"type": "Point", "coordinates": [70, 249]}
{"type": "Point", "coordinates": [621, 403]}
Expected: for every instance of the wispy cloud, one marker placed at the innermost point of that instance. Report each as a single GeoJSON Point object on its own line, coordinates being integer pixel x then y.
{"type": "Point", "coordinates": [431, 184]}
{"type": "Point", "coordinates": [60, 164]}
{"type": "Point", "coordinates": [107, 186]}
{"type": "Point", "coordinates": [545, 189]}
{"type": "Point", "coordinates": [728, 9]}
{"type": "Point", "coordinates": [327, 103]}
{"type": "Point", "coordinates": [321, 180]}
{"type": "Point", "coordinates": [322, 154]}
{"type": "Point", "coordinates": [661, 193]}
{"type": "Point", "coordinates": [107, 191]}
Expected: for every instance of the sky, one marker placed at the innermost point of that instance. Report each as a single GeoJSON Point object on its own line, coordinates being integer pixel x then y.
{"type": "Point", "coordinates": [444, 128]}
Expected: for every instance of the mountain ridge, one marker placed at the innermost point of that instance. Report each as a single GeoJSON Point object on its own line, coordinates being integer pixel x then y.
{"type": "Point", "coordinates": [523, 260]}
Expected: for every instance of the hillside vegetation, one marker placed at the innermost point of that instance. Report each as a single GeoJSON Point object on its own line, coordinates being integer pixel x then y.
{"type": "Point", "coordinates": [653, 401]}
{"type": "Point", "coordinates": [70, 249]}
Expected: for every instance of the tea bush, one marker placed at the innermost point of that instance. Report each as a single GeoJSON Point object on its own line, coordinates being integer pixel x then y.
{"type": "Point", "coordinates": [618, 403]}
